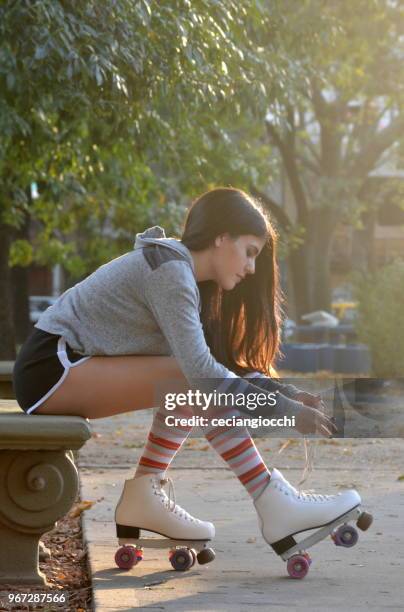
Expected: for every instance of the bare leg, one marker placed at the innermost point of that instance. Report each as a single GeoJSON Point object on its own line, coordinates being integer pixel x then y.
{"type": "Point", "coordinates": [103, 386]}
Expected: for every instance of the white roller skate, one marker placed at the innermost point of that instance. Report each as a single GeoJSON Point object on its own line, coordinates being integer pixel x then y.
{"type": "Point", "coordinates": [284, 512]}
{"type": "Point", "coordinates": [144, 505]}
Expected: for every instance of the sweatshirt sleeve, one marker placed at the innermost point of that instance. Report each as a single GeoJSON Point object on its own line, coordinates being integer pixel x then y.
{"type": "Point", "coordinates": [173, 297]}
{"type": "Point", "coordinates": [262, 381]}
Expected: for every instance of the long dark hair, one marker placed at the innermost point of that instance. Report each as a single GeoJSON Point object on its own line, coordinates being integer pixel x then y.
{"type": "Point", "coordinates": [241, 326]}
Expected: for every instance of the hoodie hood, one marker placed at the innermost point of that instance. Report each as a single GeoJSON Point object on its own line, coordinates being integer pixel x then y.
{"type": "Point", "coordinates": [156, 235]}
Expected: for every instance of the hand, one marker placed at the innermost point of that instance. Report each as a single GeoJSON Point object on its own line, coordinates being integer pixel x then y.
{"type": "Point", "coordinates": [308, 399]}
{"type": "Point", "coordinates": [312, 421]}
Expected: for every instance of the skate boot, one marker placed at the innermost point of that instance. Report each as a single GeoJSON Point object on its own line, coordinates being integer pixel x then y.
{"type": "Point", "coordinates": [145, 506]}
{"type": "Point", "coordinates": [284, 512]}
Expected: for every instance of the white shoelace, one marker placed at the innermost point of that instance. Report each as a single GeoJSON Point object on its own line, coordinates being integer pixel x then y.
{"type": "Point", "coordinates": [304, 495]}
{"type": "Point", "coordinates": [309, 453]}
{"type": "Point", "coordinates": [170, 498]}
{"type": "Point", "coordinates": [171, 492]}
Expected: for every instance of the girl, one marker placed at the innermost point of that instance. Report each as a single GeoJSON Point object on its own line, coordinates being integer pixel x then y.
{"type": "Point", "coordinates": [203, 309]}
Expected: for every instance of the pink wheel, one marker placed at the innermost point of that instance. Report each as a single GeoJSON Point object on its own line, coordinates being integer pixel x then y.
{"type": "Point", "coordinates": [307, 556]}
{"type": "Point", "coordinates": [298, 566]}
{"type": "Point", "coordinates": [126, 557]}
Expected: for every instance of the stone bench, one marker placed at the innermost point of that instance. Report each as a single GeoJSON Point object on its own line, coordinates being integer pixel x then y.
{"type": "Point", "coordinates": [38, 485]}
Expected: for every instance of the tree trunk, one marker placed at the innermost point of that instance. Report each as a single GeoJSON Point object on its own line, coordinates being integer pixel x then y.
{"type": "Point", "coordinates": [320, 230]}
{"type": "Point", "coordinates": [298, 270]}
{"type": "Point", "coordinates": [321, 278]}
{"type": "Point", "coordinates": [310, 264]}
{"type": "Point", "coordinates": [363, 255]}
{"type": "Point", "coordinates": [7, 335]}
{"type": "Point", "coordinates": [20, 290]}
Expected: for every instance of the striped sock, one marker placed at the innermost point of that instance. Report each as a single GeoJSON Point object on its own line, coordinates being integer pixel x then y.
{"type": "Point", "coordinates": [234, 445]}
{"type": "Point", "coordinates": [163, 443]}
{"type": "Point", "coordinates": [237, 448]}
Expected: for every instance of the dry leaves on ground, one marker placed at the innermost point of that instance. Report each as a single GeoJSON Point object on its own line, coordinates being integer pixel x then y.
{"type": "Point", "coordinates": [66, 571]}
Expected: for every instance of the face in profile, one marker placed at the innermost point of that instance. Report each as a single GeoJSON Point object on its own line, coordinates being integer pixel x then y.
{"type": "Point", "coordinates": [234, 258]}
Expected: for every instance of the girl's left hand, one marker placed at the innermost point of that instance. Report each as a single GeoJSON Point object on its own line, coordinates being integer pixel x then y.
{"type": "Point", "coordinates": [308, 399]}
{"type": "Point", "coordinates": [315, 401]}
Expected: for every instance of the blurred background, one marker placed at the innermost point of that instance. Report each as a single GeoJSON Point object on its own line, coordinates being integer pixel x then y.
{"type": "Point", "coordinates": [115, 115]}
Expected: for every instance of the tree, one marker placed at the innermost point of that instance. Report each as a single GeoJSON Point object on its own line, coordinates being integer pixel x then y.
{"type": "Point", "coordinates": [332, 115]}
{"type": "Point", "coordinates": [345, 120]}
{"type": "Point", "coordinates": [75, 77]}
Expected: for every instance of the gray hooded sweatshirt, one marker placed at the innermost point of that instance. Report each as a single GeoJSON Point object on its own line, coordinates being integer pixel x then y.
{"type": "Point", "coordinates": [147, 302]}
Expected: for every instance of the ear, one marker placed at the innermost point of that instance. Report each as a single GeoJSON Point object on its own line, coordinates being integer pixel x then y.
{"type": "Point", "coordinates": [220, 239]}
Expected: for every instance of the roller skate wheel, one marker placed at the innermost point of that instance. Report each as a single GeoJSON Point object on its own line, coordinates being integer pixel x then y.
{"type": "Point", "coordinates": [364, 521]}
{"type": "Point", "coordinates": [307, 556]}
{"type": "Point", "coordinates": [193, 553]}
{"type": "Point", "coordinates": [298, 566]}
{"type": "Point", "coordinates": [205, 556]}
{"type": "Point", "coordinates": [181, 559]}
{"type": "Point", "coordinates": [126, 557]}
{"type": "Point", "coordinates": [346, 536]}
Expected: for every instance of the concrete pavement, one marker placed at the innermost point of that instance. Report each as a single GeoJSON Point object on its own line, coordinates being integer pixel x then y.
{"type": "Point", "coordinates": [246, 574]}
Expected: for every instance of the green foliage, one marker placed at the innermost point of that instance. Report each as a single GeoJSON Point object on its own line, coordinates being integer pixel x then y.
{"type": "Point", "coordinates": [124, 111]}
{"type": "Point", "coordinates": [93, 94]}
{"type": "Point", "coordinates": [381, 318]}
{"type": "Point", "coordinates": [20, 253]}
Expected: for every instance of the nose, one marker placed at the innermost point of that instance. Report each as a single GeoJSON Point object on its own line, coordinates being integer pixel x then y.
{"type": "Point", "coordinates": [250, 267]}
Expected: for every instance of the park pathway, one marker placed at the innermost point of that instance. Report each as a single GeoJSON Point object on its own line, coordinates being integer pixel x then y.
{"type": "Point", "coordinates": [246, 574]}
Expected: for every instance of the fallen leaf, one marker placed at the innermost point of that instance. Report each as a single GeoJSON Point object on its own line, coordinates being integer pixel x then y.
{"type": "Point", "coordinates": [286, 444]}
{"type": "Point", "coordinates": [81, 555]}
{"type": "Point", "coordinates": [154, 583]}
{"type": "Point", "coordinates": [80, 507]}
{"type": "Point", "coordinates": [401, 477]}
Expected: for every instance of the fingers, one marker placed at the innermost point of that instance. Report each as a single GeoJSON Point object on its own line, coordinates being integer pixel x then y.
{"type": "Point", "coordinates": [331, 427]}
{"type": "Point", "coordinates": [317, 402]}
{"type": "Point", "coordinates": [324, 425]}
{"type": "Point", "coordinates": [325, 431]}
{"type": "Point", "coordinates": [329, 422]}
{"type": "Point", "coordinates": [314, 421]}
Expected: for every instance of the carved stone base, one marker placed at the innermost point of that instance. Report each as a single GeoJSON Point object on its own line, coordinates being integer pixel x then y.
{"type": "Point", "coordinates": [38, 485]}
{"type": "Point", "coordinates": [20, 564]}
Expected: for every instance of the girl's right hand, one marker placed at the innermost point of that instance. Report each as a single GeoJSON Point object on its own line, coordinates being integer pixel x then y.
{"type": "Point", "coordinates": [312, 421]}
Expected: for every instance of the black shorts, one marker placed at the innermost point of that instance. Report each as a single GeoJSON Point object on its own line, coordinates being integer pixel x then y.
{"type": "Point", "coordinates": [41, 366]}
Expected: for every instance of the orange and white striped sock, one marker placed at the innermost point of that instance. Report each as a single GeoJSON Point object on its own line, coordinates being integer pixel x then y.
{"type": "Point", "coordinates": [235, 446]}
{"type": "Point", "coordinates": [163, 443]}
